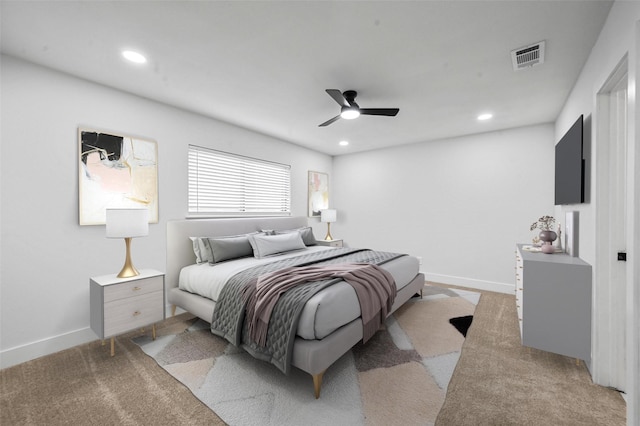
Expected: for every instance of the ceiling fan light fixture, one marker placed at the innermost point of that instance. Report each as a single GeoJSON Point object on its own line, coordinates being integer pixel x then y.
{"type": "Point", "coordinates": [349, 113]}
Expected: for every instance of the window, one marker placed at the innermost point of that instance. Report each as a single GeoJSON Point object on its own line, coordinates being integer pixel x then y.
{"type": "Point", "coordinates": [223, 184]}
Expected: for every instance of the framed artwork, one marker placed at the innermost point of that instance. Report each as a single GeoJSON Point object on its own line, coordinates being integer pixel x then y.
{"type": "Point", "coordinates": [116, 171]}
{"type": "Point", "coordinates": [318, 193]}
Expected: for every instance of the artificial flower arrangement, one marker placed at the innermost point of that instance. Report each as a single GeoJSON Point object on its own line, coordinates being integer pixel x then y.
{"type": "Point", "coordinates": [547, 235]}
{"type": "Point", "coordinates": [545, 223]}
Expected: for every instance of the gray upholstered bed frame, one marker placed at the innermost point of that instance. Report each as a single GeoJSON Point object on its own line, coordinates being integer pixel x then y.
{"type": "Point", "coordinates": [311, 356]}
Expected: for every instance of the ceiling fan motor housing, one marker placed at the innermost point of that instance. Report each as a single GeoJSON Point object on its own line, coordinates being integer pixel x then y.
{"type": "Point", "coordinates": [351, 111]}
{"type": "Point", "coordinates": [350, 96]}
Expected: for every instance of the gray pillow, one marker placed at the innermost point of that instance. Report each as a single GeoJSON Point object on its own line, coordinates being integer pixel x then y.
{"type": "Point", "coordinates": [227, 248]}
{"type": "Point", "coordinates": [267, 245]}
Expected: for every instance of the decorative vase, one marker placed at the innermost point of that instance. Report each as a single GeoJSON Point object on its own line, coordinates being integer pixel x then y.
{"type": "Point", "coordinates": [548, 248]}
{"type": "Point", "coordinates": [559, 241]}
{"type": "Point", "coordinates": [548, 236]}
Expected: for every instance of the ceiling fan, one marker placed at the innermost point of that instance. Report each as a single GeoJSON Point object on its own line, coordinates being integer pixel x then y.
{"type": "Point", "coordinates": [350, 109]}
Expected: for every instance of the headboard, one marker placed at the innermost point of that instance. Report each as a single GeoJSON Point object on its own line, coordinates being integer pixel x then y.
{"type": "Point", "coordinates": [180, 248]}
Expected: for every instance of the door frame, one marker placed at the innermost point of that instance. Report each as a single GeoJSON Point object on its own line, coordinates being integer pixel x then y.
{"type": "Point", "coordinates": [609, 342]}
{"type": "Point", "coordinates": [633, 235]}
{"type": "Point", "coordinates": [633, 239]}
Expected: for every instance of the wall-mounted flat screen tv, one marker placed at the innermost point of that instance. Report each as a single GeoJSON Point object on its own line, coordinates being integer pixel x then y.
{"type": "Point", "coordinates": [569, 181]}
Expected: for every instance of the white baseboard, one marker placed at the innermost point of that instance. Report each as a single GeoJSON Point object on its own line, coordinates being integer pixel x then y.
{"type": "Point", "coordinates": [50, 345]}
{"type": "Point", "coordinates": [471, 283]}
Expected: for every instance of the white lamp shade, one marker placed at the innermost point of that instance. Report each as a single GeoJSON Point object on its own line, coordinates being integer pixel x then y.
{"type": "Point", "coordinates": [127, 223]}
{"type": "Point", "coordinates": [328, 215]}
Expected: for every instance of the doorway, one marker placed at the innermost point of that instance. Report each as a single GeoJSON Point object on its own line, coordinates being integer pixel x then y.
{"type": "Point", "coordinates": [610, 321]}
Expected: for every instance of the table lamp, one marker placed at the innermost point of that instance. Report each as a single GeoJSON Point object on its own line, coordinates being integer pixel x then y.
{"type": "Point", "coordinates": [127, 224]}
{"type": "Point", "coordinates": [328, 215]}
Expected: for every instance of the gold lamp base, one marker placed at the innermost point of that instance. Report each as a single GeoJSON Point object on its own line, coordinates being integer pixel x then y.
{"type": "Point", "coordinates": [128, 270]}
{"type": "Point", "coordinates": [328, 237]}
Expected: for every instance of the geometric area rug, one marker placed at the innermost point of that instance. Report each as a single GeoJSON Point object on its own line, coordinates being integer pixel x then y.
{"type": "Point", "coordinates": [399, 376]}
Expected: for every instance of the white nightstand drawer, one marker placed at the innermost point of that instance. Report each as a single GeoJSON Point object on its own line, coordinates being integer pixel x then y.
{"type": "Point", "coordinates": [134, 312]}
{"type": "Point", "coordinates": [330, 243]}
{"type": "Point", "coordinates": [133, 288]}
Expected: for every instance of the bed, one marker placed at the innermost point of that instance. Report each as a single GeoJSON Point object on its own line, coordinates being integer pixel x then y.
{"type": "Point", "coordinates": [329, 324]}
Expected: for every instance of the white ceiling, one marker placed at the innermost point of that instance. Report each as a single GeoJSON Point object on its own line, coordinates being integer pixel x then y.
{"type": "Point", "coordinates": [264, 65]}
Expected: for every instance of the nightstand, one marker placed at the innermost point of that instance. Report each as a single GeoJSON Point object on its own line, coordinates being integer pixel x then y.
{"type": "Point", "coordinates": [119, 305]}
{"type": "Point", "coordinates": [330, 243]}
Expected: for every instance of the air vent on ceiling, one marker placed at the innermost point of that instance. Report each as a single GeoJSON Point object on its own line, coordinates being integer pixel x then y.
{"type": "Point", "coordinates": [528, 56]}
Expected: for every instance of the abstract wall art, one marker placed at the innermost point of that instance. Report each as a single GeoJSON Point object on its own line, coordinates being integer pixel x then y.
{"type": "Point", "coordinates": [116, 171]}
{"type": "Point", "coordinates": [318, 193]}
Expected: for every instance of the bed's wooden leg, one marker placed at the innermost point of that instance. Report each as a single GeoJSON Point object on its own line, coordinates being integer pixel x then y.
{"type": "Point", "coordinates": [173, 310]}
{"type": "Point", "coordinates": [317, 383]}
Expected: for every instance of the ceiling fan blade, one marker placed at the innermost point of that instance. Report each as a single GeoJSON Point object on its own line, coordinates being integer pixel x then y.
{"type": "Point", "coordinates": [337, 96]}
{"type": "Point", "coordinates": [326, 123]}
{"type": "Point", "coordinates": [391, 112]}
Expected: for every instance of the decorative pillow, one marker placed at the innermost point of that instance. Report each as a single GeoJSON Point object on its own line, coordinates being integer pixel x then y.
{"type": "Point", "coordinates": [266, 245]}
{"type": "Point", "coordinates": [306, 232]}
{"type": "Point", "coordinates": [201, 249]}
{"type": "Point", "coordinates": [227, 248]}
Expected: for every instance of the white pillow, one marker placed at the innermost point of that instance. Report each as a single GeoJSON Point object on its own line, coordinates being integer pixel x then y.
{"type": "Point", "coordinates": [266, 245]}
{"type": "Point", "coordinates": [305, 232]}
{"type": "Point", "coordinates": [201, 249]}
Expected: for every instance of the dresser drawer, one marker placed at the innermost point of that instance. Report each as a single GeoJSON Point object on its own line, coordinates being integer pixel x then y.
{"type": "Point", "coordinates": [133, 288]}
{"type": "Point", "coordinates": [123, 315]}
{"type": "Point", "coordinates": [519, 289]}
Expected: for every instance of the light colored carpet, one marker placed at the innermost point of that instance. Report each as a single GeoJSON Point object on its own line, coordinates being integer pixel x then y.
{"type": "Point", "coordinates": [500, 382]}
{"type": "Point", "coordinates": [400, 375]}
{"type": "Point", "coordinates": [86, 386]}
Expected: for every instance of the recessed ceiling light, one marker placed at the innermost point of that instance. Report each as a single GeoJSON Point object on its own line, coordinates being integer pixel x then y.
{"type": "Point", "coordinates": [483, 117]}
{"type": "Point", "coordinates": [343, 143]}
{"type": "Point", "coordinates": [134, 57]}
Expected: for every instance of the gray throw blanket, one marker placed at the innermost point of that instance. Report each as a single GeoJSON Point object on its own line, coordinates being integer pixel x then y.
{"type": "Point", "coordinates": [375, 288]}
{"type": "Point", "coordinates": [228, 319]}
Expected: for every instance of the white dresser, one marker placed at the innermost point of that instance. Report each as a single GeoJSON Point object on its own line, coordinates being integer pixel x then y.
{"type": "Point", "coordinates": [119, 305]}
{"type": "Point", "coordinates": [553, 298]}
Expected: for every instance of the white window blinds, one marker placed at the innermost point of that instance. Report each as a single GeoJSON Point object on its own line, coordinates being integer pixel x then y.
{"type": "Point", "coordinates": [223, 184]}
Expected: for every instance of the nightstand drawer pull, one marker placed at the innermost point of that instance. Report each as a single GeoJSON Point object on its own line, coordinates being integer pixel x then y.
{"type": "Point", "coordinates": [136, 288]}
{"type": "Point", "coordinates": [136, 313]}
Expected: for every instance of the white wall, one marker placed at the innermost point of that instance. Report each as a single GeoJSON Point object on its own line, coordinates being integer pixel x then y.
{"type": "Point", "coordinates": [461, 204]}
{"type": "Point", "coordinates": [47, 258]}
